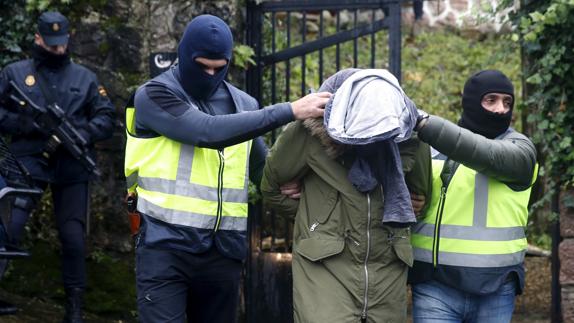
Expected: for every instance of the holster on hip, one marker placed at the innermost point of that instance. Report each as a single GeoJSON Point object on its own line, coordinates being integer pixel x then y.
{"type": "Point", "coordinates": [134, 216]}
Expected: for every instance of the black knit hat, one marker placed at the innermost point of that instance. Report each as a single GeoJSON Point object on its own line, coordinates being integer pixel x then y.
{"type": "Point", "coordinates": [474, 116]}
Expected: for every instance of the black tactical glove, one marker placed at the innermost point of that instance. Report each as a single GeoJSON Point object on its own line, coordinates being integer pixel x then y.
{"type": "Point", "coordinates": [422, 119]}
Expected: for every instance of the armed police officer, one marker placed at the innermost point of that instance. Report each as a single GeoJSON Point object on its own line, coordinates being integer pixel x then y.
{"type": "Point", "coordinates": [51, 78]}
{"type": "Point", "coordinates": [190, 153]}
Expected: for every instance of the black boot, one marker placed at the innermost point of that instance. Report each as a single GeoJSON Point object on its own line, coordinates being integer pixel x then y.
{"type": "Point", "coordinates": [74, 303]}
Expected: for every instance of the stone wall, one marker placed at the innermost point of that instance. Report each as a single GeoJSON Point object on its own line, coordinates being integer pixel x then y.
{"type": "Point", "coordinates": [464, 14]}
{"type": "Point", "coordinates": [117, 40]}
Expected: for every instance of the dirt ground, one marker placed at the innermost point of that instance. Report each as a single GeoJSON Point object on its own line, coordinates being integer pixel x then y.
{"type": "Point", "coordinates": [534, 304]}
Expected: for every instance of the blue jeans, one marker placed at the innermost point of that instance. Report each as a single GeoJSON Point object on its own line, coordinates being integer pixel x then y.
{"type": "Point", "coordinates": [435, 302]}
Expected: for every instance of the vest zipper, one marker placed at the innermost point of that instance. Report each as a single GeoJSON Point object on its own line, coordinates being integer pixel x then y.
{"type": "Point", "coordinates": [446, 175]}
{"type": "Point", "coordinates": [436, 238]}
{"type": "Point", "coordinates": [219, 190]}
{"type": "Point", "coordinates": [366, 300]}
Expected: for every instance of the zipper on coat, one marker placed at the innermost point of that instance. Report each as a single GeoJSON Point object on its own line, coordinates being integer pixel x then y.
{"type": "Point", "coordinates": [314, 226]}
{"type": "Point", "coordinates": [219, 191]}
{"type": "Point", "coordinates": [350, 238]}
{"type": "Point", "coordinates": [366, 298]}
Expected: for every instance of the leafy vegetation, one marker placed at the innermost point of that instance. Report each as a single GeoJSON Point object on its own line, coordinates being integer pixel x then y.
{"type": "Point", "coordinates": [544, 29]}
{"type": "Point", "coordinates": [17, 30]}
{"type": "Point", "coordinates": [242, 56]}
{"type": "Point", "coordinates": [436, 64]}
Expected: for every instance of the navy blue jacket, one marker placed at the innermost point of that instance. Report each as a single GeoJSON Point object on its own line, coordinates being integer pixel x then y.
{"type": "Point", "coordinates": [78, 93]}
{"type": "Point", "coordinates": [229, 117]}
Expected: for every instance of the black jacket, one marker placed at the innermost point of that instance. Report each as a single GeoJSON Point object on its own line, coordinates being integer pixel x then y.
{"type": "Point", "coordinates": [77, 91]}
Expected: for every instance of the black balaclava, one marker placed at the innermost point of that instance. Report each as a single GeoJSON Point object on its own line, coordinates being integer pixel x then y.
{"type": "Point", "coordinates": [209, 37]}
{"type": "Point", "coordinates": [475, 117]}
{"type": "Point", "coordinates": [43, 57]}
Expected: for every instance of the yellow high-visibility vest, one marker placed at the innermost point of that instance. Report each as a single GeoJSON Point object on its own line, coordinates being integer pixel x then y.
{"type": "Point", "coordinates": [476, 222]}
{"type": "Point", "coordinates": [188, 185]}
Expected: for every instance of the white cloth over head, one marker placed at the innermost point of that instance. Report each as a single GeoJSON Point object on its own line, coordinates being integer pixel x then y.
{"type": "Point", "coordinates": [370, 106]}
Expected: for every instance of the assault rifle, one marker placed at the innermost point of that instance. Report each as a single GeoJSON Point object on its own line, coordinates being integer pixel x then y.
{"type": "Point", "coordinates": [52, 120]}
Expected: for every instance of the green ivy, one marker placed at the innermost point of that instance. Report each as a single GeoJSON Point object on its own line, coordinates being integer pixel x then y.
{"type": "Point", "coordinates": [42, 5]}
{"type": "Point", "coordinates": [17, 31]}
{"type": "Point", "coordinates": [243, 56]}
{"type": "Point", "coordinates": [544, 29]}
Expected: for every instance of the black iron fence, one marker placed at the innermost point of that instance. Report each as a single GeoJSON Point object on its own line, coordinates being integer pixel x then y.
{"type": "Point", "coordinates": [325, 36]}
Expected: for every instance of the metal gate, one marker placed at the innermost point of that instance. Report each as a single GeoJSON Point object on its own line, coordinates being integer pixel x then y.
{"type": "Point", "coordinates": [297, 45]}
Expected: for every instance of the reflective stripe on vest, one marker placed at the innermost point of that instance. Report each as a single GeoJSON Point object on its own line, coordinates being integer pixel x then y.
{"type": "Point", "coordinates": [131, 174]}
{"type": "Point", "coordinates": [469, 260]}
{"type": "Point", "coordinates": [190, 219]}
{"type": "Point", "coordinates": [483, 227]}
{"type": "Point", "coordinates": [187, 185]}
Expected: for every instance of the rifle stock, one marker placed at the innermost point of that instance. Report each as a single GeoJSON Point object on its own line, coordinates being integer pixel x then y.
{"type": "Point", "coordinates": [53, 120]}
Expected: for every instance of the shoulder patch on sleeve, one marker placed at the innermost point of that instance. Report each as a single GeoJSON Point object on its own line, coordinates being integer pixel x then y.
{"type": "Point", "coordinates": [30, 80]}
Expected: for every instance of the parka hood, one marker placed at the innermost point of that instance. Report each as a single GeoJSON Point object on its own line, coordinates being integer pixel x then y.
{"type": "Point", "coordinates": [316, 126]}
{"type": "Point", "coordinates": [317, 129]}
{"type": "Point", "coordinates": [403, 124]}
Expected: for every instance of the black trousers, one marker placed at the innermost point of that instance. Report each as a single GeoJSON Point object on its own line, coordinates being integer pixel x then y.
{"type": "Point", "coordinates": [70, 208]}
{"type": "Point", "coordinates": [178, 286]}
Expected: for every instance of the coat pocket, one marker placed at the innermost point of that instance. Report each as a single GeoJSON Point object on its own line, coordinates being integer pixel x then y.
{"type": "Point", "coordinates": [400, 241]}
{"type": "Point", "coordinates": [319, 249]}
{"type": "Point", "coordinates": [404, 252]}
{"type": "Point", "coordinates": [323, 210]}
{"type": "Point", "coordinates": [319, 210]}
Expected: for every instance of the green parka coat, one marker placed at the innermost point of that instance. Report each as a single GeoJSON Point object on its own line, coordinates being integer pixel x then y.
{"type": "Point", "coordinates": [347, 265]}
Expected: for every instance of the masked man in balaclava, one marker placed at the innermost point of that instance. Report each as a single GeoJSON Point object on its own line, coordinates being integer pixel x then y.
{"type": "Point", "coordinates": [469, 247]}
{"type": "Point", "coordinates": [193, 145]}
{"type": "Point", "coordinates": [51, 77]}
